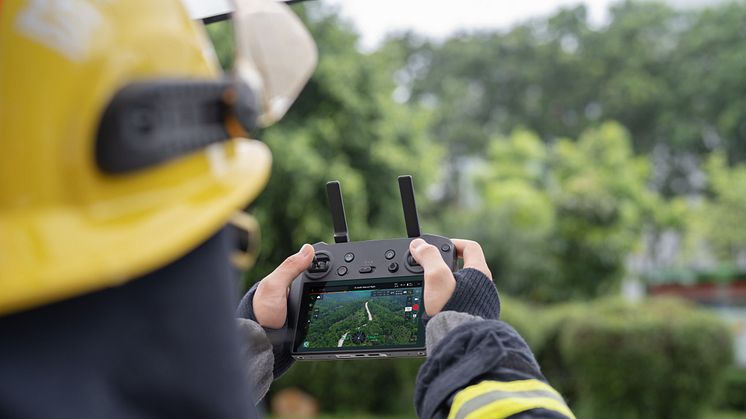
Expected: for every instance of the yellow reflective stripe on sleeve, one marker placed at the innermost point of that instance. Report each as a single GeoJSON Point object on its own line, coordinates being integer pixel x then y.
{"type": "Point", "coordinates": [493, 399]}
{"type": "Point", "coordinates": [508, 407]}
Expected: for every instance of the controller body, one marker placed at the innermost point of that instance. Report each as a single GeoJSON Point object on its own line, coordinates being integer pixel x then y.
{"type": "Point", "coordinates": [363, 299]}
{"type": "Point", "coordinates": [369, 265]}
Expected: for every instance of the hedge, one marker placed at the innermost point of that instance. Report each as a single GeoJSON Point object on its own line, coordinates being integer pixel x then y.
{"type": "Point", "coordinates": [542, 328]}
{"type": "Point", "coordinates": [377, 386]}
{"type": "Point", "coordinates": [734, 389]}
{"type": "Point", "coordinates": [661, 358]}
{"type": "Point", "coordinates": [658, 359]}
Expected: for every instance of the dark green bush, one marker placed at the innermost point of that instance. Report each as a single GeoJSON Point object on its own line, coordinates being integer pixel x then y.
{"type": "Point", "coordinates": [659, 359]}
{"type": "Point", "coordinates": [527, 319]}
{"type": "Point", "coordinates": [734, 389]}
{"type": "Point", "coordinates": [380, 387]}
{"type": "Point", "coordinates": [553, 364]}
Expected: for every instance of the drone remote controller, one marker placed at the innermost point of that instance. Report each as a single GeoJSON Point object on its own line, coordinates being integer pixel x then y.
{"type": "Point", "coordinates": [363, 299]}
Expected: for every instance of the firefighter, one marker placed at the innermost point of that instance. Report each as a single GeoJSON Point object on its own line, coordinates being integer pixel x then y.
{"type": "Point", "coordinates": [124, 159]}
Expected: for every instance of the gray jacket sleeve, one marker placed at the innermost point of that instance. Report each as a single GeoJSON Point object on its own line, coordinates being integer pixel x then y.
{"type": "Point", "coordinates": [257, 357]}
{"type": "Point", "coordinates": [278, 338]}
{"type": "Point", "coordinates": [439, 326]}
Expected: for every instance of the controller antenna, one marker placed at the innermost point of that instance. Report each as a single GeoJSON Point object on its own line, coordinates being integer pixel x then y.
{"type": "Point", "coordinates": [411, 220]}
{"type": "Point", "coordinates": [337, 207]}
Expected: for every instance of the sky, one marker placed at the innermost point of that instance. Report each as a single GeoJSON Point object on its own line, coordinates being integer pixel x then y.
{"type": "Point", "coordinates": [439, 18]}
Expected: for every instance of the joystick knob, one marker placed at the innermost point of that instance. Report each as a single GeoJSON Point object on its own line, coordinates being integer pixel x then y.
{"type": "Point", "coordinates": [411, 261]}
{"type": "Point", "coordinates": [321, 264]}
{"type": "Point", "coordinates": [412, 265]}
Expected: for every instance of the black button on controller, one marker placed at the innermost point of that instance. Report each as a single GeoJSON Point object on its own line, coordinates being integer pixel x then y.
{"type": "Point", "coordinates": [342, 271]}
{"type": "Point", "coordinates": [366, 269]}
{"type": "Point", "coordinates": [349, 257]}
{"type": "Point", "coordinates": [393, 267]}
{"type": "Point", "coordinates": [389, 254]}
{"type": "Point", "coordinates": [446, 247]}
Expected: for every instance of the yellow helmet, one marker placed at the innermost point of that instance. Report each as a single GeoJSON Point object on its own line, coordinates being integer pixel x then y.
{"type": "Point", "coordinates": [76, 213]}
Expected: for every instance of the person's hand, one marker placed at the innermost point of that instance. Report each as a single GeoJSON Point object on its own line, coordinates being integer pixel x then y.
{"type": "Point", "coordinates": [270, 301]}
{"type": "Point", "coordinates": [439, 280]}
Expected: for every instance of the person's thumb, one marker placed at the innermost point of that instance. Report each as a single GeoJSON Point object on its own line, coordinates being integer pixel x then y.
{"type": "Point", "coordinates": [281, 278]}
{"type": "Point", "coordinates": [439, 280]}
{"type": "Point", "coordinates": [428, 256]}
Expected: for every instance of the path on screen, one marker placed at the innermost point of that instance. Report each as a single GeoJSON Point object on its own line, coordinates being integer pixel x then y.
{"type": "Point", "coordinates": [370, 318]}
{"type": "Point", "coordinates": [342, 339]}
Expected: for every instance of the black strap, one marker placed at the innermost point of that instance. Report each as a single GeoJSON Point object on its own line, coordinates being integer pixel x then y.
{"type": "Point", "coordinates": [150, 122]}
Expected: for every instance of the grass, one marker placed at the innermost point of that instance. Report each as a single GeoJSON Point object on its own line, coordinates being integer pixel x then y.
{"type": "Point", "coordinates": [722, 414]}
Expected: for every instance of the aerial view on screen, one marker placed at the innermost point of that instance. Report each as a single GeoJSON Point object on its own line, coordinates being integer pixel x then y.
{"type": "Point", "coordinates": [341, 317]}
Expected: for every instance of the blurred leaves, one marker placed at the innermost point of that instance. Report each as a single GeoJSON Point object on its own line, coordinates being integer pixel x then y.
{"type": "Point", "coordinates": [659, 358]}
{"type": "Point", "coordinates": [721, 219]}
{"type": "Point", "coordinates": [344, 126]}
{"type": "Point", "coordinates": [505, 135]}
{"type": "Point", "coordinates": [662, 358]}
{"type": "Point", "coordinates": [674, 79]}
{"type": "Point", "coordinates": [559, 220]}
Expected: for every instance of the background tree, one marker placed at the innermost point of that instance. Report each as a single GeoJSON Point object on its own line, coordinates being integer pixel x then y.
{"type": "Point", "coordinates": [559, 76]}
{"type": "Point", "coordinates": [718, 223]}
{"type": "Point", "coordinates": [345, 125]}
{"type": "Point", "coordinates": [559, 220]}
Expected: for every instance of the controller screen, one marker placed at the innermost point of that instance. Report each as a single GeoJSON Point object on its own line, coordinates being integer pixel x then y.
{"type": "Point", "coordinates": [371, 314]}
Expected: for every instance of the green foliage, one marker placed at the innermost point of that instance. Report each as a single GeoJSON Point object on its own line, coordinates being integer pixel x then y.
{"type": "Point", "coordinates": [673, 78]}
{"type": "Point", "coordinates": [346, 126]}
{"type": "Point", "coordinates": [221, 35]}
{"type": "Point", "coordinates": [722, 217]}
{"type": "Point", "coordinates": [381, 387]}
{"type": "Point", "coordinates": [734, 389]}
{"type": "Point", "coordinates": [715, 233]}
{"type": "Point", "coordinates": [558, 220]}
{"type": "Point", "coordinates": [527, 319]}
{"type": "Point", "coordinates": [661, 359]}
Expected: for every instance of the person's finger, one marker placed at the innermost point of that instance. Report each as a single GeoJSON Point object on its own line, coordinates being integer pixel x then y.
{"type": "Point", "coordinates": [439, 280]}
{"type": "Point", "coordinates": [473, 255]}
{"type": "Point", "coordinates": [270, 299]}
{"type": "Point", "coordinates": [428, 256]}
{"type": "Point", "coordinates": [281, 278]}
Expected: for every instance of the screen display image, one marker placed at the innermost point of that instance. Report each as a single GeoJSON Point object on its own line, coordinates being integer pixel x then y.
{"type": "Point", "coordinates": [361, 315]}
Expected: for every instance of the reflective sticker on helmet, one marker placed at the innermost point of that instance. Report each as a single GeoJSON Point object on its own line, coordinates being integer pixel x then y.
{"type": "Point", "coordinates": [64, 26]}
